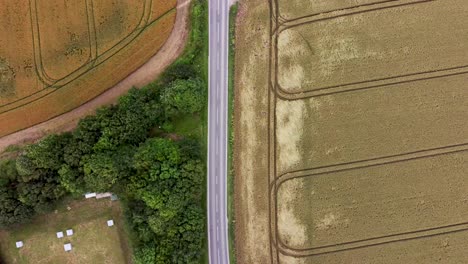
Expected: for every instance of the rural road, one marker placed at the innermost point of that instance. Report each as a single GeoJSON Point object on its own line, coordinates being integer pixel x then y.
{"type": "Point", "coordinates": [218, 243]}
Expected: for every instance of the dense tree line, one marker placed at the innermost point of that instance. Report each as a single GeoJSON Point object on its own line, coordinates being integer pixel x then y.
{"type": "Point", "coordinates": [160, 179]}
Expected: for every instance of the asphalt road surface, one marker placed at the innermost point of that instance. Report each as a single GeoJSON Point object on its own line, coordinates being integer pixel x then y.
{"type": "Point", "coordinates": [218, 244]}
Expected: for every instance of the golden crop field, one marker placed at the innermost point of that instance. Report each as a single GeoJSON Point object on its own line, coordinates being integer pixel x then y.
{"type": "Point", "coordinates": [57, 55]}
{"type": "Point", "coordinates": [356, 115]}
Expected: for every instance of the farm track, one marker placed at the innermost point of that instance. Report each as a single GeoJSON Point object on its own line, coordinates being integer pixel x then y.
{"type": "Point", "coordinates": [93, 60]}
{"type": "Point", "coordinates": [173, 47]}
{"type": "Point", "coordinates": [275, 92]}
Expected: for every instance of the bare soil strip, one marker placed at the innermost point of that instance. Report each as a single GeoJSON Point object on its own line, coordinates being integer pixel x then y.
{"type": "Point", "coordinates": [173, 47]}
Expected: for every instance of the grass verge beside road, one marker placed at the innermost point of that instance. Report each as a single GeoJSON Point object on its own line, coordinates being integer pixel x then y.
{"type": "Point", "coordinates": [196, 57]}
{"type": "Point", "coordinates": [231, 172]}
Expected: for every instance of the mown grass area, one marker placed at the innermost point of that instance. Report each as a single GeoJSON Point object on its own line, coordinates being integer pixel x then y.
{"type": "Point", "coordinates": [93, 241]}
{"type": "Point", "coordinates": [231, 172]}
{"type": "Point", "coordinates": [189, 126]}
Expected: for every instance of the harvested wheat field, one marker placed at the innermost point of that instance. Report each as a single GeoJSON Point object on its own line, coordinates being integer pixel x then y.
{"type": "Point", "coordinates": [357, 114]}
{"type": "Point", "coordinates": [57, 55]}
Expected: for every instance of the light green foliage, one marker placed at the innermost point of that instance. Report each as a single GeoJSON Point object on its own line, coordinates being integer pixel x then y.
{"type": "Point", "coordinates": [145, 255]}
{"type": "Point", "coordinates": [101, 172]}
{"type": "Point", "coordinates": [71, 180]}
{"type": "Point", "coordinates": [7, 171]}
{"type": "Point", "coordinates": [48, 153]}
{"type": "Point", "coordinates": [184, 97]}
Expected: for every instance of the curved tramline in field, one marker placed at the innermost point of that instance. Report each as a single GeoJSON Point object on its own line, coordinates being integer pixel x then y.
{"type": "Point", "coordinates": [55, 55]}
{"type": "Point", "coordinates": [341, 61]}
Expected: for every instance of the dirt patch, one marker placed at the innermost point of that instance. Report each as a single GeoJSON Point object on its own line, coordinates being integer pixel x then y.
{"type": "Point", "coordinates": [290, 130]}
{"type": "Point", "coordinates": [293, 73]}
{"type": "Point", "coordinates": [292, 230]}
{"type": "Point", "coordinates": [7, 79]}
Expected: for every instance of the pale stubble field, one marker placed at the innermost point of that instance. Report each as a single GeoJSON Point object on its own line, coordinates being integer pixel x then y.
{"type": "Point", "coordinates": [367, 137]}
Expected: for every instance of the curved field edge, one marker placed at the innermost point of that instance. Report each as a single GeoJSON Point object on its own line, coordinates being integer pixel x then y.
{"type": "Point", "coordinates": [167, 54]}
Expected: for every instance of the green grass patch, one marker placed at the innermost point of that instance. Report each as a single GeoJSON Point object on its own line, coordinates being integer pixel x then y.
{"type": "Point", "coordinates": [230, 181]}
{"type": "Point", "coordinates": [189, 126]}
{"type": "Point", "coordinates": [93, 241]}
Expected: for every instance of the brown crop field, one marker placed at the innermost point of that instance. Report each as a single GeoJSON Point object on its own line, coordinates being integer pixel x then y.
{"type": "Point", "coordinates": [57, 55]}
{"type": "Point", "coordinates": [351, 131]}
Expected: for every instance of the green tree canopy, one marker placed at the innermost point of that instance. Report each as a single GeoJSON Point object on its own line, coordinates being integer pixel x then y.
{"type": "Point", "coordinates": [183, 97]}
{"type": "Point", "coordinates": [12, 211]}
{"type": "Point", "coordinates": [103, 170]}
{"type": "Point", "coordinates": [168, 179]}
{"type": "Point", "coordinates": [48, 153]}
{"type": "Point", "coordinates": [38, 184]}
